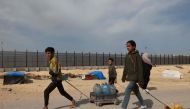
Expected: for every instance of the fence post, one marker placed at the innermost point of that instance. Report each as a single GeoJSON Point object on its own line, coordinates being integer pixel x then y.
{"type": "Point", "coordinates": [121, 59]}
{"type": "Point", "coordinates": [66, 62]}
{"type": "Point", "coordinates": [89, 59]}
{"type": "Point", "coordinates": [179, 59]}
{"type": "Point", "coordinates": [57, 54]}
{"type": "Point", "coordinates": [189, 59]}
{"type": "Point", "coordinates": [26, 58]}
{"type": "Point", "coordinates": [109, 54]}
{"type": "Point", "coordinates": [182, 57]}
{"type": "Point", "coordinates": [115, 57]}
{"type": "Point", "coordinates": [151, 58]}
{"type": "Point", "coordinates": [155, 58]}
{"type": "Point", "coordinates": [82, 59]}
{"type": "Point", "coordinates": [2, 58]}
{"type": "Point", "coordinates": [168, 59]}
{"type": "Point", "coordinates": [103, 59]}
{"type": "Point", "coordinates": [96, 59]}
{"type": "Point", "coordinates": [15, 58]}
{"type": "Point", "coordinates": [74, 59]}
{"type": "Point", "coordinates": [37, 58]}
{"type": "Point", "coordinates": [160, 59]}
{"type": "Point", "coordinates": [164, 59]}
{"type": "Point", "coordinates": [172, 59]}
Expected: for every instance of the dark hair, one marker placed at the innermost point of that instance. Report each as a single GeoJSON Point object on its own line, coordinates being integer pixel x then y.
{"type": "Point", "coordinates": [111, 59]}
{"type": "Point", "coordinates": [50, 49]}
{"type": "Point", "coordinates": [132, 42]}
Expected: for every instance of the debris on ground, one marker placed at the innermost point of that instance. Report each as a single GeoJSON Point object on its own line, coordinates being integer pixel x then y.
{"type": "Point", "coordinates": [172, 74]}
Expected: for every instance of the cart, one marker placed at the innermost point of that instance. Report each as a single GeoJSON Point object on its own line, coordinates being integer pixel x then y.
{"type": "Point", "coordinates": [102, 99]}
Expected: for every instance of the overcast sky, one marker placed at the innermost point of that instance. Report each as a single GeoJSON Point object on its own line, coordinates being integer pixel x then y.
{"type": "Point", "coordinates": [160, 26]}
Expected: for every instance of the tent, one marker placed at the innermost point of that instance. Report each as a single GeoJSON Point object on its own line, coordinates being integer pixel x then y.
{"type": "Point", "coordinates": [14, 78]}
{"type": "Point", "coordinates": [99, 74]}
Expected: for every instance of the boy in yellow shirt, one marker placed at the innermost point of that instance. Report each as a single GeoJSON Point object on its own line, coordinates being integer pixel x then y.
{"type": "Point", "coordinates": [55, 72]}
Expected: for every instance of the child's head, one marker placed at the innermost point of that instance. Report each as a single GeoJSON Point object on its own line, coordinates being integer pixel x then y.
{"type": "Point", "coordinates": [49, 53]}
{"type": "Point", "coordinates": [131, 46]}
{"type": "Point", "coordinates": [110, 61]}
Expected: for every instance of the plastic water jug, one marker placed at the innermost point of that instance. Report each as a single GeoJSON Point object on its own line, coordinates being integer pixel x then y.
{"type": "Point", "coordinates": [112, 89]}
{"type": "Point", "coordinates": [106, 89]}
{"type": "Point", "coordinates": [97, 89]}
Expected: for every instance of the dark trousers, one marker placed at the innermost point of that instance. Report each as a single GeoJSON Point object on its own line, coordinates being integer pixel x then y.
{"type": "Point", "coordinates": [111, 80]}
{"type": "Point", "coordinates": [146, 74]}
{"type": "Point", "coordinates": [51, 87]}
{"type": "Point", "coordinates": [146, 80]}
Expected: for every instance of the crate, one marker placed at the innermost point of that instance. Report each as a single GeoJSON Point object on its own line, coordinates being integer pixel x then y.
{"type": "Point", "coordinates": [102, 99]}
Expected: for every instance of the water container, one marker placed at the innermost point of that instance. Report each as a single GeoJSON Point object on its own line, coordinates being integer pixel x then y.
{"type": "Point", "coordinates": [106, 89]}
{"type": "Point", "coordinates": [97, 89]}
{"type": "Point", "coordinates": [112, 89]}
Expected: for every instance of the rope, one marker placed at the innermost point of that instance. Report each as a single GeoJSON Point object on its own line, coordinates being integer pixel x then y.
{"type": "Point", "coordinates": [150, 95]}
{"type": "Point", "coordinates": [77, 89]}
{"type": "Point", "coordinates": [156, 98]}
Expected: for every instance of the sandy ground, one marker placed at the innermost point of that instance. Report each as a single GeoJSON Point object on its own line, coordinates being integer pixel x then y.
{"type": "Point", "coordinates": [30, 96]}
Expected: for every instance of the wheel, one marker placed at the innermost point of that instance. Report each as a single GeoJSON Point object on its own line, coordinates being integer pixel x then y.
{"type": "Point", "coordinates": [98, 104]}
{"type": "Point", "coordinates": [91, 101]}
{"type": "Point", "coordinates": [116, 102]}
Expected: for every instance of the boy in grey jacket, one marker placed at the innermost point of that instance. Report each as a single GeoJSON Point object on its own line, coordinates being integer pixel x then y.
{"type": "Point", "coordinates": [133, 72]}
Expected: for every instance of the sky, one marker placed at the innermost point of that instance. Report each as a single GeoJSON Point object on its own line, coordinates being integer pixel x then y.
{"type": "Point", "coordinates": [157, 26]}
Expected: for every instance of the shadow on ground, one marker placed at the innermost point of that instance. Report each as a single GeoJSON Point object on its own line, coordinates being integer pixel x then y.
{"type": "Point", "coordinates": [152, 88]}
{"type": "Point", "coordinates": [149, 103]}
{"type": "Point", "coordinates": [79, 103]}
{"type": "Point", "coordinates": [82, 102]}
{"type": "Point", "coordinates": [28, 81]}
{"type": "Point", "coordinates": [66, 106]}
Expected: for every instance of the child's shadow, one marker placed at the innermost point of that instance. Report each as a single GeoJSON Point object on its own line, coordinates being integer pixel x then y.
{"type": "Point", "coordinates": [149, 103]}
{"type": "Point", "coordinates": [152, 88]}
{"type": "Point", "coordinates": [81, 102]}
{"type": "Point", "coordinates": [66, 106]}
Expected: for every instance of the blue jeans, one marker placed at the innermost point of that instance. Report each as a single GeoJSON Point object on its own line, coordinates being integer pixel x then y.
{"type": "Point", "coordinates": [132, 87]}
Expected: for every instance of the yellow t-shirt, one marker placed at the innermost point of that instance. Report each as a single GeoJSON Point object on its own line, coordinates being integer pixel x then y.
{"type": "Point", "coordinates": [54, 67]}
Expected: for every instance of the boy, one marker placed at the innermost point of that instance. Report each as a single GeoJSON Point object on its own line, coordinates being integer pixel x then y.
{"type": "Point", "coordinates": [147, 66]}
{"type": "Point", "coordinates": [55, 72]}
{"type": "Point", "coordinates": [112, 72]}
{"type": "Point", "coordinates": [133, 72]}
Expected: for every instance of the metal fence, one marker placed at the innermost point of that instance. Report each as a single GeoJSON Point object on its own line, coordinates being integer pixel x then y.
{"type": "Point", "coordinates": [15, 59]}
